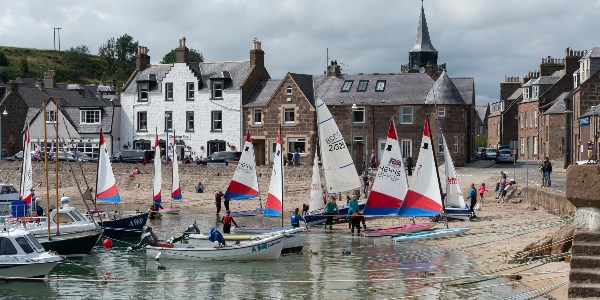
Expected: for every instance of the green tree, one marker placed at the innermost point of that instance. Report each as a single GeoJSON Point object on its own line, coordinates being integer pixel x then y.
{"type": "Point", "coordinates": [481, 140]}
{"type": "Point", "coordinates": [23, 67]}
{"type": "Point", "coordinates": [193, 56]}
{"type": "Point", "coordinates": [82, 49]}
{"type": "Point", "coordinates": [125, 49]}
{"type": "Point", "coordinates": [3, 60]}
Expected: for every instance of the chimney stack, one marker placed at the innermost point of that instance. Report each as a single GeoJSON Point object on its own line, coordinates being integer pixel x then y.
{"type": "Point", "coordinates": [509, 86]}
{"type": "Point", "coordinates": [39, 84]}
{"type": "Point", "coordinates": [572, 58]}
{"type": "Point", "coordinates": [49, 82]}
{"type": "Point", "coordinates": [181, 52]}
{"type": "Point", "coordinates": [257, 55]}
{"type": "Point", "coordinates": [550, 65]}
{"type": "Point", "coordinates": [142, 60]}
{"type": "Point", "coordinates": [12, 86]}
{"type": "Point", "coordinates": [334, 70]}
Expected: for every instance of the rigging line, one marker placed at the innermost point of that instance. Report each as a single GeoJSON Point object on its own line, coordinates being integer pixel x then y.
{"type": "Point", "coordinates": [80, 167]}
{"type": "Point", "coordinates": [538, 292]}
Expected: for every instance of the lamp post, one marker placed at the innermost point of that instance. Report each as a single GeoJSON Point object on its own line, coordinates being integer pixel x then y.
{"type": "Point", "coordinates": [354, 107]}
{"type": "Point", "coordinates": [594, 133]}
{"type": "Point", "coordinates": [4, 114]}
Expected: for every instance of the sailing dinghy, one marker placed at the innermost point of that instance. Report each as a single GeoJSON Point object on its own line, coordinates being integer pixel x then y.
{"type": "Point", "coordinates": [389, 189]}
{"type": "Point", "coordinates": [156, 181]}
{"type": "Point", "coordinates": [175, 184]}
{"type": "Point", "coordinates": [274, 204]}
{"type": "Point", "coordinates": [244, 184]}
{"type": "Point", "coordinates": [317, 199]}
{"type": "Point", "coordinates": [455, 208]}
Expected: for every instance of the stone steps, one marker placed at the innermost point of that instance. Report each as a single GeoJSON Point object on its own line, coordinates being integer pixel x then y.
{"type": "Point", "coordinates": [584, 236]}
{"type": "Point", "coordinates": [584, 290]}
{"type": "Point", "coordinates": [585, 262]}
{"type": "Point", "coordinates": [585, 249]}
{"type": "Point", "coordinates": [585, 276]}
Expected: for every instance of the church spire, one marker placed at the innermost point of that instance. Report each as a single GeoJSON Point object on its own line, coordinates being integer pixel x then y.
{"type": "Point", "coordinates": [423, 42]}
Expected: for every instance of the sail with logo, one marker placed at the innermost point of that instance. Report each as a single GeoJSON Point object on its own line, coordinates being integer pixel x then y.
{"type": "Point", "coordinates": [175, 183]}
{"type": "Point", "coordinates": [391, 184]}
{"type": "Point", "coordinates": [338, 167]}
{"type": "Point", "coordinates": [26, 193]}
{"type": "Point", "coordinates": [244, 184]}
{"type": "Point", "coordinates": [274, 204]}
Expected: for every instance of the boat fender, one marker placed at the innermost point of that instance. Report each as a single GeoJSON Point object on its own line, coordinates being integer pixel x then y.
{"type": "Point", "coordinates": [164, 245]}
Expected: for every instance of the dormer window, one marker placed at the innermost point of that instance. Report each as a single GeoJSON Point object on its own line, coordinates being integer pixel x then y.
{"type": "Point", "coordinates": [90, 116]}
{"type": "Point", "coordinates": [169, 91]}
{"type": "Point", "coordinates": [380, 86]}
{"type": "Point", "coordinates": [362, 85]}
{"type": "Point", "coordinates": [217, 89]}
{"type": "Point", "coordinates": [536, 91]}
{"type": "Point", "coordinates": [143, 91]}
{"type": "Point", "coordinates": [288, 90]}
{"type": "Point", "coordinates": [525, 93]}
{"type": "Point", "coordinates": [347, 85]}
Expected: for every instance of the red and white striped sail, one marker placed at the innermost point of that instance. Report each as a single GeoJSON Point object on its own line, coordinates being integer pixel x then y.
{"type": "Point", "coordinates": [316, 192]}
{"type": "Point", "coordinates": [176, 185]}
{"type": "Point", "coordinates": [106, 185]}
{"type": "Point", "coordinates": [424, 197]}
{"type": "Point", "coordinates": [274, 205]}
{"type": "Point", "coordinates": [454, 195]}
{"type": "Point", "coordinates": [391, 184]}
{"type": "Point", "coordinates": [244, 184]}
{"type": "Point", "coordinates": [26, 172]}
{"type": "Point", "coordinates": [157, 172]}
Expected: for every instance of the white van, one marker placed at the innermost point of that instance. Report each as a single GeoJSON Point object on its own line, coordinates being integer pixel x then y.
{"type": "Point", "coordinates": [8, 194]}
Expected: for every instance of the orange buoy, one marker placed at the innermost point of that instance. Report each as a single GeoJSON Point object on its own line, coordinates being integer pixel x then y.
{"type": "Point", "coordinates": [107, 243]}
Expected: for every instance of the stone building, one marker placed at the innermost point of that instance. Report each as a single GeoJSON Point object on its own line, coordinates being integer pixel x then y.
{"type": "Point", "coordinates": [502, 125]}
{"type": "Point", "coordinates": [553, 122]}
{"type": "Point", "coordinates": [586, 95]}
{"type": "Point", "coordinates": [481, 115]}
{"type": "Point", "coordinates": [199, 102]}
{"type": "Point", "coordinates": [84, 109]}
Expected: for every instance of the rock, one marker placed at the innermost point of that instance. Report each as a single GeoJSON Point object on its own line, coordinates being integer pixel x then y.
{"type": "Point", "coordinates": [514, 277]}
{"type": "Point", "coordinates": [556, 243]}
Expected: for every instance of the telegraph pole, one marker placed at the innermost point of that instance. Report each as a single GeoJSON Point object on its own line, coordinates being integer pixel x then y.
{"type": "Point", "coordinates": [57, 29]}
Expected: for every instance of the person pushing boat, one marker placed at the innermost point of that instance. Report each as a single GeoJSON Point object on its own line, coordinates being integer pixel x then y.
{"type": "Point", "coordinates": [295, 218]}
{"type": "Point", "coordinates": [227, 220]}
{"type": "Point", "coordinates": [330, 210]}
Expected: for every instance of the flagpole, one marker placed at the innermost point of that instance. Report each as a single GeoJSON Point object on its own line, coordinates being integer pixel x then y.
{"type": "Point", "coordinates": [46, 169]}
{"type": "Point", "coordinates": [56, 170]}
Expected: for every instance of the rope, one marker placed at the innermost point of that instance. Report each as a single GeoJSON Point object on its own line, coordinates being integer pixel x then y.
{"type": "Point", "coordinates": [538, 292]}
{"type": "Point", "coordinates": [117, 240]}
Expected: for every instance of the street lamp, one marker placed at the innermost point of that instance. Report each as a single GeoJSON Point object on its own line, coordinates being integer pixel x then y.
{"type": "Point", "coordinates": [354, 107]}
{"type": "Point", "coordinates": [4, 114]}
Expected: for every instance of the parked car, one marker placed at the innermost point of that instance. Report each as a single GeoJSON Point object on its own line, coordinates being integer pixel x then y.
{"type": "Point", "coordinates": [504, 147]}
{"type": "Point", "coordinates": [491, 153]}
{"type": "Point", "coordinates": [19, 156]}
{"type": "Point", "coordinates": [82, 157]}
{"type": "Point", "coordinates": [480, 152]}
{"type": "Point", "coordinates": [133, 156]}
{"type": "Point", "coordinates": [220, 158]}
{"type": "Point", "coordinates": [8, 193]}
{"type": "Point", "coordinates": [505, 155]}
{"type": "Point", "coordinates": [64, 156]}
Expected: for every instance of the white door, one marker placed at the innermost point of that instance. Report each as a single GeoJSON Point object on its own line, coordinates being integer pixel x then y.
{"type": "Point", "coordinates": [380, 148]}
{"type": "Point", "coordinates": [406, 146]}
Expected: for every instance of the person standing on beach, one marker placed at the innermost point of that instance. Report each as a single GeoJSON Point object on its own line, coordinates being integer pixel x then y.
{"type": "Point", "coordinates": [482, 190]}
{"type": "Point", "coordinates": [218, 197]}
{"type": "Point", "coordinates": [330, 210]}
{"type": "Point", "coordinates": [473, 197]}
{"type": "Point", "coordinates": [409, 165]}
{"type": "Point", "coordinates": [365, 179]}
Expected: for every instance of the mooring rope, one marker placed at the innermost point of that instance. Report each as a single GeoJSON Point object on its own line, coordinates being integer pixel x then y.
{"type": "Point", "coordinates": [538, 292]}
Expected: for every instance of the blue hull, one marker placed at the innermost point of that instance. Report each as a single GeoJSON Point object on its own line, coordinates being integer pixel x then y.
{"type": "Point", "coordinates": [128, 226]}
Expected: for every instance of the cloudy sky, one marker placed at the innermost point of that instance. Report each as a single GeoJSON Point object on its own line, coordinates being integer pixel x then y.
{"type": "Point", "coordinates": [484, 39]}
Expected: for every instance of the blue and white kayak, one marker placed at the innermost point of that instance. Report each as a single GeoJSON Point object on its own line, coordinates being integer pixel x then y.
{"type": "Point", "coordinates": [429, 235]}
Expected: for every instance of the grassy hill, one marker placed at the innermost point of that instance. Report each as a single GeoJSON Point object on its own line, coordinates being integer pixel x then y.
{"type": "Point", "coordinates": [70, 66]}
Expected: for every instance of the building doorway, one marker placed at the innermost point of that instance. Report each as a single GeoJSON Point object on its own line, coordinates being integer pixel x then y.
{"type": "Point", "coordinates": [259, 151]}
{"type": "Point", "coordinates": [216, 146]}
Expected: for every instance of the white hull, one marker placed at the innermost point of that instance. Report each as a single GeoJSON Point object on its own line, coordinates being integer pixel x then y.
{"type": "Point", "coordinates": [26, 270]}
{"type": "Point", "coordinates": [430, 235]}
{"type": "Point", "coordinates": [264, 249]}
{"type": "Point", "coordinates": [294, 240]}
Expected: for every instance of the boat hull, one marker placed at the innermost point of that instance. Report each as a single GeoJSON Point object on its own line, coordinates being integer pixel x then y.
{"type": "Point", "coordinates": [27, 270]}
{"type": "Point", "coordinates": [251, 212]}
{"type": "Point", "coordinates": [458, 213]}
{"type": "Point", "coordinates": [293, 242]}
{"type": "Point", "coordinates": [429, 235]}
{"type": "Point", "coordinates": [71, 244]}
{"type": "Point", "coordinates": [127, 226]}
{"type": "Point", "coordinates": [317, 217]}
{"type": "Point", "coordinates": [266, 249]}
{"type": "Point", "coordinates": [400, 230]}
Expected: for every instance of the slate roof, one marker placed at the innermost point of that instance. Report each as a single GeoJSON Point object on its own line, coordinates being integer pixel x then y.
{"type": "Point", "coordinates": [444, 92]}
{"type": "Point", "coordinates": [237, 71]}
{"type": "Point", "coordinates": [423, 42]}
{"type": "Point", "coordinates": [260, 97]}
{"type": "Point", "coordinates": [529, 82]}
{"type": "Point", "coordinates": [305, 83]}
{"type": "Point", "coordinates": [558, 106]}
{"type": "Point", "coordinates": [518, 93]}
{"type": "Point", "coordinates": [545, 80]}
{"type": "Point", "coordinates": [594, 53]}
{"type": "Point", "coordinates": [466, 88]}
{"type": "Point", "coordinates": [591, 111]}
{"type": "Point", "coordinates": [481, 112]}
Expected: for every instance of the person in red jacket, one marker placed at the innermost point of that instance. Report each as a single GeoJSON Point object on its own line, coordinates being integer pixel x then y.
{"type": "Point", "coordinates": [227, 220]}
{"type": "Point", "coordinates": [355, 219]}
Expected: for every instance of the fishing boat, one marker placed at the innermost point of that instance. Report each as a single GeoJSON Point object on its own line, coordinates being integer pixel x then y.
{"type": "Point", "coordinates": [244, 184]}
{"type": "Point", "coordinates": [175, 184]}
{"type": "Point", "coordinates": [265, 248]}
{"type": "Point", "coordinates": [119, 223]}
{"type": "Point", "coordinates": [429, 235]}
{"type": "Point", "coordinates": [293, 242]}
{"type": "Point", "coordinates": [22, 256]}
{"type": "Point", "coordinates": [338, 167]}
{"type": "Point", "coordinates": [455, 207]}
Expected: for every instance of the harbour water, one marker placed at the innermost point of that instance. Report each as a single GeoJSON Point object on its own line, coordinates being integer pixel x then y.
{"type": "Point", "coordinates": [332, 266]}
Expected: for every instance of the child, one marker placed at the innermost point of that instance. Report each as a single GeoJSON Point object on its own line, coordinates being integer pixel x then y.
{"type": "Point", "coordinates": [227, 220]}
{"type": "Point", "coordinates": [482, 190]}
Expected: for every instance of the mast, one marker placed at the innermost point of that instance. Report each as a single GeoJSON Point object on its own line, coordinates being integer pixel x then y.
{"type": "Point", "coordinates": [46, 169]}
{"type": "Point", "coordinates": [437, 171]}
{"type": "Point", "coordinates": [97, 171]}
{"type": "Point", "coordinates": [56, 170]}
{"type": "Point", "coordinates": [282, 177]}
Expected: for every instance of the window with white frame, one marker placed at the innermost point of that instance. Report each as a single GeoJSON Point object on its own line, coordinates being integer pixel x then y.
{"type": "Point", "coordinates": [358, 115]}
{"type": "Point", "coordinates": [50, 116]}
{"type": "Point", "coordinates": [521, 119]}
{"type": "Point", "coordinates": [455, 144]}
{"type": "Point", "coordinates": [169, 91]}
{"type": "Point", "coordinates": [530, 119]}
{"type": "Point", "coordinates": [143, 91]}
{"type": "Point", "coordinates": [406, 115]}
{"type": "Point", "coordinates": [89, 116]}
{"type": "Point", "coordinates": [535, 118]}
{"type": "Point", "coordinates": [522, 145]}
{"type": "Point", "coordinates": [217, 89]}
{"type": "Point", "coordinates": [297, 144]}
{"type": "Point", "coordinates": [189, 121]}
{"type": "Point", "coordinates": [190, 91]}
{"type": "Point", "coordinates": [525, 93]}
{"type": "Point", "coordinates": [498, 129]}
{"type": "Point", "coordinates": [380, 86]}
{"type": "Point", "coordinates": [257, 117]}
{"type": "Point", "coordinates": [440, 144]}
{"type": "Point", "coordinates": [216, 120]}
{"type": "Point", "coordinates": [362, 85]}
{"type": "Point", "coordinates": [535, 145]}
{"type": "Point", "coordinates": [289, 115]}
{"type": "Point", "coordinates": [441, 112]}
{"type": "Point", "coordinates": [142, 121]}
{"type": "Point", "coordinates": [288, 90]}
{"type": "Point", "coordinates": [535, 91]}
{"type": "Point", "coordinates": [168, 120]}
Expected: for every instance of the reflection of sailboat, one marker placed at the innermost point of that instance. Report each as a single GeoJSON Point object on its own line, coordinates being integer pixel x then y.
{"type": "Point", "coordinates": [175, 184]}
{"type": "Point", "coordinates": [390, 188]}
{"type": "Point", "coordinates": [455, 201]}
{"type": "Point", "coordinates": [244, 184]}
{"type": "Point", "coordinates": [338, 168]}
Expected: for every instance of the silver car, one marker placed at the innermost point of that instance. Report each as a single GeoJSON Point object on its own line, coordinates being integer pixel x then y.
{"type": "Point", "coordinates": [505, 155]}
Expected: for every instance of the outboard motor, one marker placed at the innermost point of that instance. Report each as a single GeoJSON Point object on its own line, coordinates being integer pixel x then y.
{"type": "Point", "coordinates": [148, 239]}
{"type": "Point", "coordinates": [192, 229]}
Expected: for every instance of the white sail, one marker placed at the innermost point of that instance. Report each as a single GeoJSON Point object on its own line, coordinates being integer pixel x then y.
{"type": "Point", "coordinates": [176, 185]}
{"type": "Point", "coordinates": [244, 184]}
{"type": "Point", "coordinates": [454, 195]}
{"type": "Point", "coordinates": [274, 205]}
{"type": "Point", "coordinates": [157, 172]}
{"type": "Point", "coordinates": [316, 192]}
{"type": "Point", "coordinates": [26, 172]}
{"type": "Point", "coordinates": [106, 185]}
{"type": "Point", "coordinates": [391, 184]}
{"type": "Point", "coordinates": [338, 167]}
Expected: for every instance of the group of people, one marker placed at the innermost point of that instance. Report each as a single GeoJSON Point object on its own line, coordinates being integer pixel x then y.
{"type": "Point", "coordinates": [503, 186]}
{"type": "Point", "coordinates": [293, 159]}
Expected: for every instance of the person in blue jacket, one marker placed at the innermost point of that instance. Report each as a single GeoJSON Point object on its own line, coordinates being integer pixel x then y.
{"type": "Point", "coordinates": [473, 197]}
{"type": "Point", "coordinates": [296, 218]}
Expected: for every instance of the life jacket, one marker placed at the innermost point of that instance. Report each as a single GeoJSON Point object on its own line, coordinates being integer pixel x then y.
{"type": "Point", "coordinates": [227, 220]}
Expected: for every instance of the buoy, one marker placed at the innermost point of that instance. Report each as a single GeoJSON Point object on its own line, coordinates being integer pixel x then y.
{"type": "Point", "coordinates": [107, 243]}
